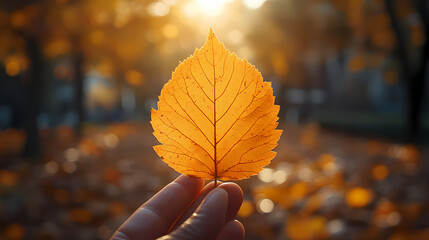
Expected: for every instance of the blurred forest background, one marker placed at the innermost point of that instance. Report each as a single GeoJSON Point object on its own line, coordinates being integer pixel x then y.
{"type": "Point", "coordinates": [78, 79]}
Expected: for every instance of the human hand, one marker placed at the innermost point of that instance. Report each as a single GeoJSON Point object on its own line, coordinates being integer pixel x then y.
{"type": "Point", "coordinates": [185, 210]}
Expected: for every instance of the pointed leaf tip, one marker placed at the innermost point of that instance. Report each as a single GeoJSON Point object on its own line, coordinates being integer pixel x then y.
{"type": "Point", "coordinates": [212, 40]}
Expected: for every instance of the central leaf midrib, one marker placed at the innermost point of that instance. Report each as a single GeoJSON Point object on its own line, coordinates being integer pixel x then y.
{"type": "Point", "coordinates": [214, 114]}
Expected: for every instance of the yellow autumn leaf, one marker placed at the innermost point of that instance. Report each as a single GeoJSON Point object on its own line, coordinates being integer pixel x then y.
{"type": "Point", "coordinates": [216, 117]}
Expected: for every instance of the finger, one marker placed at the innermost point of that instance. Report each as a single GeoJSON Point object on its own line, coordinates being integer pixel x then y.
{"type": "Point", "coordinates": [208, 220]}
{"type": "Point", "coordinates": [233, 230]}
{"type": "Point", "coordinates": [235, 198]}
{"type": "Point", "coordinates": [195, 204]}
{"type": "Point", "coordinates": [155, 217]}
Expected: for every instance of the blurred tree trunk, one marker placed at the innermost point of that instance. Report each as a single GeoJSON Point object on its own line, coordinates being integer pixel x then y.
{"type": "Point", "coordinates": [281, 100]}
{"type": "Point", "coordinates": [420, 77]}
{"type": "Point", "coordinates": [414, 80]}
{"type": "Point", "coordinates": [79, 98]}
{"type": "Point", "coordinates": [33, 100]}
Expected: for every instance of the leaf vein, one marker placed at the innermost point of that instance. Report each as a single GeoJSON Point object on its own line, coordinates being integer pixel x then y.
{"type": "Point", "coordinates": [257, 119]}
{"type": "Point", "coordinates": [195, 80]}
{"type": "Point", "coordinates": [232, 73]}
{"type": "Point", "coordinates": [235, 165]}
{"type": "Point", "coordinates": [194, 123]}
{"type": "Point", "coordinates": [199, 62]}
{"type": "Point", "coordinates": [174, 128]}
{"type": "Point", "coordinates": [238, 118]}
{"type": "Point", "coordinates": [183, 154]}
{"type": "Point", "coordinates": [184, 151]}
{"type": "Point", "coordinates": [188, 168]}
{"type": "Point", "coordinates": [187, 93]}
{"type": "Point", "coordinates": [235, 97]}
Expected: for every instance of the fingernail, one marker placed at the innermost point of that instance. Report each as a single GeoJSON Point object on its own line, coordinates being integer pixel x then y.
{"type": "Point", "coordinates": [216, 196]}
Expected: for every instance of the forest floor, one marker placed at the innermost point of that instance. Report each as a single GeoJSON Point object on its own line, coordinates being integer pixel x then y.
{"type": "Point", "coordinates": [321, 185]}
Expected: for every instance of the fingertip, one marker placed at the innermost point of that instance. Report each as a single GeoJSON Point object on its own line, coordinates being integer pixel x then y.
{"type": "Point", "coordinates": [233, 230]}
{"type": "Point", "coordinates": [233, 190]}
{"type": "Point", "coordinates": [217, 197]}
{"type": "Point", "coordinates": [235, 198]}
{"type": "Point", "coordinates": [190, 181]}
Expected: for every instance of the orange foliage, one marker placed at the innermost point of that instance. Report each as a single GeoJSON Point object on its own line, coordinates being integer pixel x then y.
{"type": "Point", "coordinates": [15, 231]}
{"type": "Point", "coordinates": [306, 228]}
{"type": "Point", "coordinates": [80, 215]}
{"type": "Point", "coordinates": [280, 65]}
{"type": "Point", "coordinates": [390, 77]}
{"type": "Point", "coordinates": [357, 64]}
{"type": "Point", "coordinates": [117, 208]}
{"type": "Point", "coordinates": [112, 175]}
{"type": "Point", "coordinates": [8, 178]}
{"type": "Point", "coordinates": [417, 36]}
{"type": "Point", "coordinates": [11, 141]}
{"type": "Point", "coordinates": [246, 209]}
{"type": "Point", "coordinates": [15, 64]}
{"type": "Point", "coordinates": [134, 78]}
{"type": "Point", "coordinates": [359, 197]}
{"type": "Point", "coordinates": [298, 191]}
{"type": "Point", "coordinates": [216, 117]}
{"type": "Point", "coordinates": [61, 196]}
{"type": "Point", "coordinates": [380, 172]}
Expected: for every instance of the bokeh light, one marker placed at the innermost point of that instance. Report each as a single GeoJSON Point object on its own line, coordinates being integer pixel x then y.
{"type": "Point", "coordinates": [51, 167]}
{"type": "Point", "coordinates": [111, 140]}
{"type": "Point", "coordinates": [72, 154]}
{"type": "Point", "coordinates": [170, 30]}
{"type": "Point", "coordinates": [335, 226]}
{"type": "Point", "coordinates": [279, 176]}
{"type": "Point", "coordinates": [265, 205]}
{"type": "Point", "coordinates": [266, 175]}
{"type": "Point", "coordinates": [158, 9]}
{"type": "Point", "coordinates": [69, 167]}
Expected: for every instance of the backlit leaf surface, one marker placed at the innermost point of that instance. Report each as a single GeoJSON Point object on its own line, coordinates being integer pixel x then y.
{"type": "Point", "coordinates": [216, 117]}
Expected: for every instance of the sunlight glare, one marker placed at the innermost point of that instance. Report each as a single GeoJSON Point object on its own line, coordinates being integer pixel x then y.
{"type": "Point", "coordinates": [212, 7]}
{"type": "Point", "coordinates": [189, 9]}
{"type": "Point", "coordinates": [254, 4]}
{"type": "Point", "coordinates": [170, 2]}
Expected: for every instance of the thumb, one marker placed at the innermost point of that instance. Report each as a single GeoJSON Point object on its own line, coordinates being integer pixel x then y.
{"type": "Point", "coordinates": [207, 221]}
